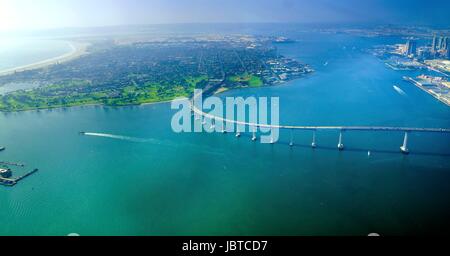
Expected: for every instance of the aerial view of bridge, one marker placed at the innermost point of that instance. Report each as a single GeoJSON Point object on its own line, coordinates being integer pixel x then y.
{"type": "Point", "coordinates": [254, 126]}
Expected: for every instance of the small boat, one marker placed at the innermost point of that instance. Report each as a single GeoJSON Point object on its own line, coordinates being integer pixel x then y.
{"type": "Point", "coordinates": [368, 153]}
{"type": "Point", "coordinates": [397, 89]}
{"type": "Point", "coordinates": [2, 148]}
{"type": "Point", "coordinates": [82, 133]}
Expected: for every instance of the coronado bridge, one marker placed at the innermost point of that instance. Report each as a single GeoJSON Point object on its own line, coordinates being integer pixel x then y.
{"type": "Point", "coordinates": [254, 126]}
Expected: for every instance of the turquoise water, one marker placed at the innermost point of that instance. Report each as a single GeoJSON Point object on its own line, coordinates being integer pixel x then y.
{"type": "Point", "coordinates": [20, 51]}
{"type": "Point", "coordinates": [215, 184]}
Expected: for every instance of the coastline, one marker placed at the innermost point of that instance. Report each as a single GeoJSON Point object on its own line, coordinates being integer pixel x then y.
{"type": "Point", "coordinates": [78, 49]}
{"type": "Point", "coordinates": [89, 105]}
{"type": "Point", "coordinates": [216, 92]}
{"type": "Point", "coordinates": [430, 92]}
{"type": "Point", "coordinates": [127, 105]}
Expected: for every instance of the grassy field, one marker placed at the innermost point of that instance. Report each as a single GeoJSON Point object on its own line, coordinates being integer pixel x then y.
{"type": "Point", "coordinates": [77, 93]}
{"type": "Point", "coordinates": [246, 79]}
{"type": "Point", "coordinates": [81, 92]}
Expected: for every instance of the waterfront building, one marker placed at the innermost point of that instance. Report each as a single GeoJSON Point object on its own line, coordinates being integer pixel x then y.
{"type": "Point", "coordinates": [411, 47]}
{"type": "Point", "coordinates": [424, 53]}
{"type": "Point", "coordinates": [434, 44]}
{"type": "Point", "coordinates": [5, 173]}
{"type": "Point", "coordinates": [444, 44]}
{"type": "Point", "coordinates": [439, 43]}
{"type": "Point", "coordinates": [421, 53]}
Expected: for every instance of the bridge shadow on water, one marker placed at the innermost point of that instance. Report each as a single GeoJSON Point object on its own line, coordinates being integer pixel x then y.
{"type": "Point", "coordinates": [352, 149]}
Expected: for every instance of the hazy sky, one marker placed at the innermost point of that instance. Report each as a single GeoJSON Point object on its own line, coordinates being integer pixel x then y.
{"type": "Point", "coordinates": [38, 14]}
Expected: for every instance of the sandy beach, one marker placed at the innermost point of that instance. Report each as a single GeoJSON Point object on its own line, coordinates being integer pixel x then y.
{"type": "Point", "coordinates": [78, 49]}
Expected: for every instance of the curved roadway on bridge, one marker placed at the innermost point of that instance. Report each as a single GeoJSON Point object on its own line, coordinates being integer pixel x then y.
{"type": "Point", "coordinates": [313, 128]}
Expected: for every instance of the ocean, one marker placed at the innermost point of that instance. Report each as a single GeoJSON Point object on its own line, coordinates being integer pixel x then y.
{"type": "Point", "coordinates": [20, 51]}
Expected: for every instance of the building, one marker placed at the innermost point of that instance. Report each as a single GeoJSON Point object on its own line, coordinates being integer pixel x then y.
{"type": "Point", "coordinates": [444, 43]}
{"type": "Point", "coordinates": [423, 53]}
{"type": "Point", "coordinates": [411, 48]}
{"type": "Point", "coordinates": [434, 44]}
{"type": "Point", "coordinates": [5, 173]}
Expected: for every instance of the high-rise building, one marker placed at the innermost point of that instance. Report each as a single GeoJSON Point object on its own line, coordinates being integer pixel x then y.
{"type": "Point", "coordinates": [411, 47]}
{"type": "Point", "coordinates": [439, 43]}
{"type": "Point", "coordinates": [423, 53]}
{"type": "Point", "coordinates": [444, 44]}
{"type": "Point", "coordinates": [434, 44]}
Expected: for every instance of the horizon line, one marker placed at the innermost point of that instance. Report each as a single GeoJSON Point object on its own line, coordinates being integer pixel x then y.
{"type": "Point", "coordinates": [341, 23]}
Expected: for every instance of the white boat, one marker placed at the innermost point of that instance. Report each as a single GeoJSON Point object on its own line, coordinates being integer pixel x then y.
{"type": "Point", "coordinates": [397, 89]}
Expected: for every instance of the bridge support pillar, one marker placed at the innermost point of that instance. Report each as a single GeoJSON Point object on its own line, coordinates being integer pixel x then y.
{"type": "Point", "coordinates": [224, 129]}
{"type": "Point", "coordinates": [340, 144]}
{"type": "Point", "coordinates": [291, 143]}
{"type": "Point", "coordinates": [271, 138]}
{"type": "Point", "coordinates": [213, 124]}
{"type": "Point", "coordinates": [313, 144]}
{"type": "Point", "coordinates": [404, 148]}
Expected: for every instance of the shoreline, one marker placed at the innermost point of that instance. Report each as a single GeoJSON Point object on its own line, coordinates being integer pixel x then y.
{"type": "Point", "coordinates": [429, 92]}
{"type": "Point", "coordinates": [78, 49]}
{"type": "Point", "coordinates": [128, 105]}
{"type": "Point", "coordinates": [89, 105]}
{"type": "Point", "coordinates": [218, 91]}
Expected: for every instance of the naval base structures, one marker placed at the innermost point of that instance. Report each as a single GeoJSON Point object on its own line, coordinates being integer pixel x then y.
{"type": "Point", "coordinates": [6, 178]}
{"type": "Point", "coordinates": [6, 175]}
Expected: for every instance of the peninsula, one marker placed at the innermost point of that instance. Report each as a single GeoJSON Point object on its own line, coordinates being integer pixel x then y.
{"type": "Point", "coordinates": [117, 74]}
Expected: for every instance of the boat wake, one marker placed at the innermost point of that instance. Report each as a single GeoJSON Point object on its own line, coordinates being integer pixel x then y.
{"type": "Point", "coordinates": [118, 137]}
{"type": "Point", "coordinates": [400, 91]}
{"type": "Point", "coordinates": [201, 148]}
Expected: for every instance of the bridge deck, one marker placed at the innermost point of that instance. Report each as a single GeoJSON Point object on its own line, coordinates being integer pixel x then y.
{"type": "Point", "coordinates": [314, 128]}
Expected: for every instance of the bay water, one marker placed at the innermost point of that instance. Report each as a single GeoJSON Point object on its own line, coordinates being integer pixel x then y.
{"type": "Point", "coordinates": [134, 176]}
